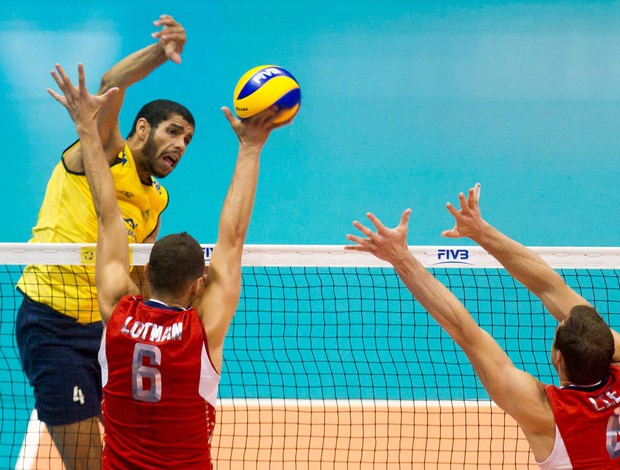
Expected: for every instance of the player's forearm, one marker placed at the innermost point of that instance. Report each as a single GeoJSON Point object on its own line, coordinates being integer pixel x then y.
{"type": "Point", "coordinates": [239, 202]}
{"type": "Point", "coordinates": [436, 299]}
{"type": "Point", "coordinates": [522, 263]}
{"type": "Point", "coordinates": [98, 173]}
{"type": "Point", "coordinates": [133, 68]}
{"type": "Point", "coordinates": [125, 73]}
{"type": "Point", "coordinates": [111, 233]}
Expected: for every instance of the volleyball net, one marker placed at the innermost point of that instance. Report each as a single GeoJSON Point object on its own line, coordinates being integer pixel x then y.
{"type": "Point", "coordinates": [330, 362]}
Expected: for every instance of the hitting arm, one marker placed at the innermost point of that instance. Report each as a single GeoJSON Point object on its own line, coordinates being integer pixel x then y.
{"type": "Point", "coordinates": [131, 69]}
{"type": "Point", "coordinates": [112, 262]}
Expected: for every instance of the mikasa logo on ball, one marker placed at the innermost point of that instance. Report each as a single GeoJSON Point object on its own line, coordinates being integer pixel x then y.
{"type": "Point", "coordinates": [266, 73]}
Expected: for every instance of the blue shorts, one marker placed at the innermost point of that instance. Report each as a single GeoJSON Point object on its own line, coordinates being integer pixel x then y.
{"type": "Point", "coordinates": [59, 357]}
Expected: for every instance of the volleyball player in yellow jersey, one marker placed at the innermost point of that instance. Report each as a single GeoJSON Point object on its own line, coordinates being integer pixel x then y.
{"type": "Point", "coordinates": [58, 328]}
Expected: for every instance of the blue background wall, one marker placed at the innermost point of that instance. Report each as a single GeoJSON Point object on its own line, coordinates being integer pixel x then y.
{"type": "Point", "coordinates": [405, 103]}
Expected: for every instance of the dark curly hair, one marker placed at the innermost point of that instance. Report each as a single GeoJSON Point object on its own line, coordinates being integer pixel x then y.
{"type": "Point", "coordinates": [158, 111]}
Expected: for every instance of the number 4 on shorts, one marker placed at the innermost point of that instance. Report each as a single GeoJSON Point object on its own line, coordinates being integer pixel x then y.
{"type": "Point", "coordinates": [78, 395]}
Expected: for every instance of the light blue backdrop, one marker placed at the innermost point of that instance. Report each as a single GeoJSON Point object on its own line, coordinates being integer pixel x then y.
{"type": "Point", "coordinates": [405, 103]}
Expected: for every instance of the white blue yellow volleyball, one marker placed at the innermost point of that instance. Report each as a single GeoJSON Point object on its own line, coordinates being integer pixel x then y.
{"type": "Point", "coordinates": [265, 86]}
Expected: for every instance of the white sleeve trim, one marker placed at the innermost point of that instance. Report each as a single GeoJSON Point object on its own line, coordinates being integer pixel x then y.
{"type": "Point", "coordinates": [558, 459]}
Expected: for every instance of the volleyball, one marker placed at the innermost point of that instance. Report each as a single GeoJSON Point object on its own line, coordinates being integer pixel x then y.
{"type": "Point", "coordinates": [265, 86]}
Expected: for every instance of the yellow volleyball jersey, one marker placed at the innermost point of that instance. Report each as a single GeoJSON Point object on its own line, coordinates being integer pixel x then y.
{"type": "Point", "coordinates": [67, 215]}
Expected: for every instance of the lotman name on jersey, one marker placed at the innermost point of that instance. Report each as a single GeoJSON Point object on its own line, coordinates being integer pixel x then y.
{"type": "Point", "coordinates": [606, 400]}
{"type": "Point", "coordinates": [156, 333]}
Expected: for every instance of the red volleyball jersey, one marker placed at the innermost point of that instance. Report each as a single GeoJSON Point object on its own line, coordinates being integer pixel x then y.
{"type": "Point", "coordinates": [159, 388]}
{"type": "Point", "coordinates": [588, 421]}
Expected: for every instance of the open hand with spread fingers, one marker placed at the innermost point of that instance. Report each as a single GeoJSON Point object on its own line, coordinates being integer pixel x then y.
{"type": "Point", "coordinates": [83, 107]}
{"type": "Point", "coordinates": [388, 244]}
{"type": "Point", "coordinates": [468, 220]}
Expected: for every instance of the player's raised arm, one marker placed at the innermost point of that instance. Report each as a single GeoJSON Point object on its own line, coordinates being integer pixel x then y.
{"type": "Point", "coordinates": [218, 303]}
{"type": "Point", "coordinates": [112, 263]}
{"type": "Point", "coordinates": [522, 263]}
{"type": "Point", "coordinates": [516, 392]}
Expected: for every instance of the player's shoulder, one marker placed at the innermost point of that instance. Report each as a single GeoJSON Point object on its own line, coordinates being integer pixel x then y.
{"type": "Point", "coordinates": [159, 188]}
{"type": "Point", "coordinates": [71, 159]}
{"type": "Point", "coordinates": [128, 301]}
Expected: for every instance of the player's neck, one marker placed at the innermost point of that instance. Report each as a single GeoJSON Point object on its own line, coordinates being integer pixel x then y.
{"type": "Point", "coordinates": [169, 301]}
{"type": "Point", "coordinates": [144, 173]}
